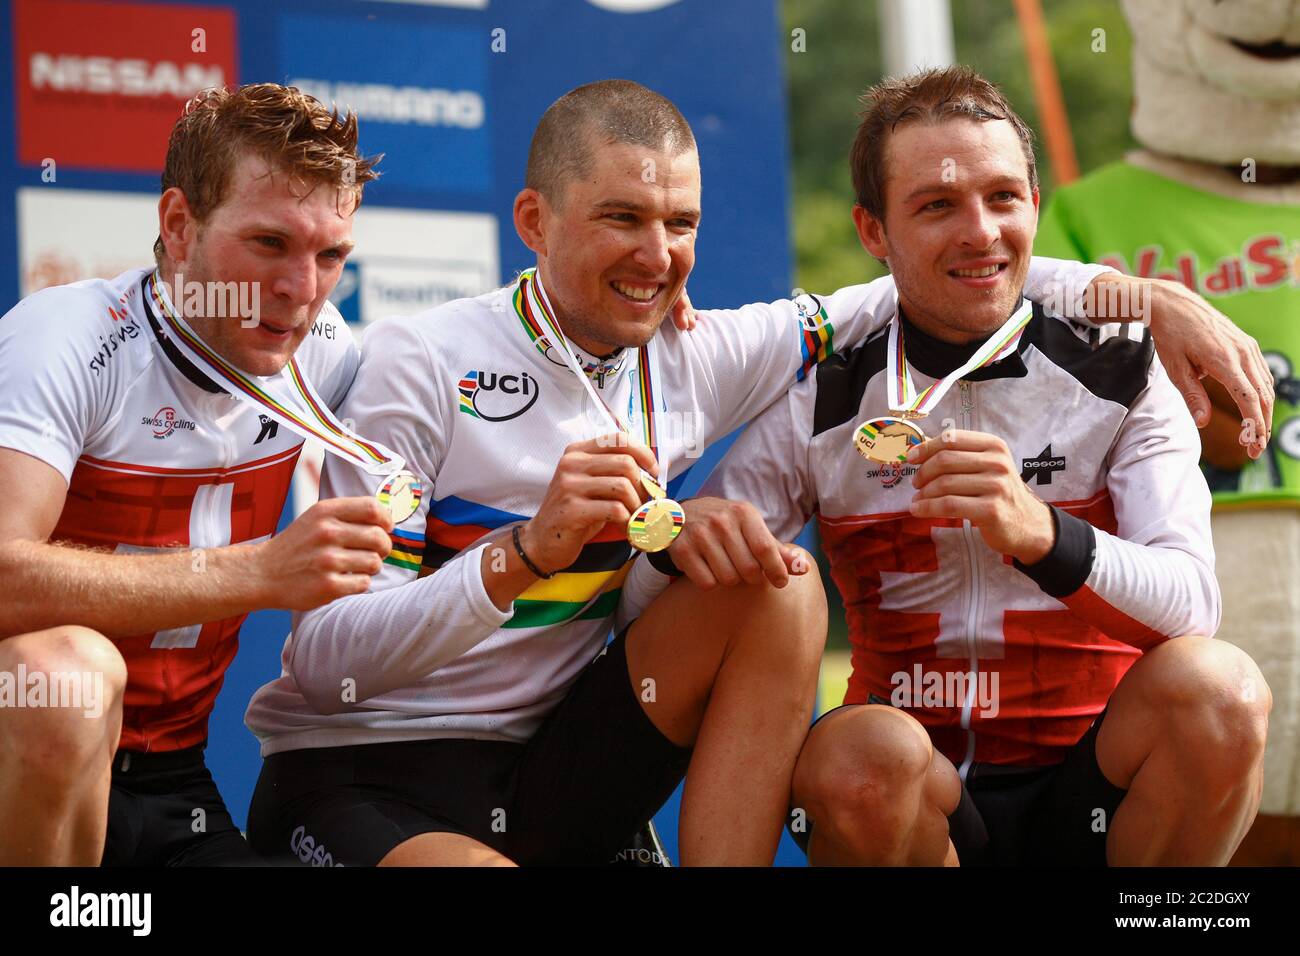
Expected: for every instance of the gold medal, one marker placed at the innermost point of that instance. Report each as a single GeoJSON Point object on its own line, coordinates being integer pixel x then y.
{"type": "Point", "coordinates": [652, 487]}
{"type": "Point", "coordinates": [656, 524]}
{"type": "Point", "coordinates": [400, 495]}
{"type": "Point", "coordinates": [886, 440]}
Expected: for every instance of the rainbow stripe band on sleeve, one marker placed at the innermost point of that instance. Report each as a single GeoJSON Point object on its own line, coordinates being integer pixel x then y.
{"type": "Point", "coordinates": [408, 549]}
{"type": "Point", "coordinates": [816, 345]}
{"type": "Point", "coordinates": [586, 590]}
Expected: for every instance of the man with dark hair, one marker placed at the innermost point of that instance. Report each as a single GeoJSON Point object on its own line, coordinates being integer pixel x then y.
{"type": "Point", "coordinates": [613, 111]}
{"type": "Point", "coordinates": [455, 714]}
{"type": "Point", "coordinates": [149, 427]}
{"type": "Point", "coordinates": [1029, 590]}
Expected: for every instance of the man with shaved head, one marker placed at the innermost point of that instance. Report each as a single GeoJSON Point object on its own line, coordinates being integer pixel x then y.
{"type": "Point", "coordinates": [467, 709]}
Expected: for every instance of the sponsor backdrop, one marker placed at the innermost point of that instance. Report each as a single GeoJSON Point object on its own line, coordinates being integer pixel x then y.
{"type": "Point", "coordinates": [448, 90]}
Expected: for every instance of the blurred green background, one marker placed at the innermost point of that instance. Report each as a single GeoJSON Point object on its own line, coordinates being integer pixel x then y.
{"type": "Point", "coordinates": [842, 58]}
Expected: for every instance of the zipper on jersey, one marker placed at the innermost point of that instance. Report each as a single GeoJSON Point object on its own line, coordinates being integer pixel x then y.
{"type": "Point", "coordinates": [976, 597]}
{"type": "Point", "coordinates": [231, 442]}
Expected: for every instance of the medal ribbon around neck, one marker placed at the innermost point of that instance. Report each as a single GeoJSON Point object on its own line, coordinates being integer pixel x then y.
{"type": "Point", "coordinates": [657, 522]}
{"type": "Point", "coordinates": [287, 397]}
{"type": "Point", "coordinates": [904, 398]}
{"type": "Point", "coordinates": [534, 295]}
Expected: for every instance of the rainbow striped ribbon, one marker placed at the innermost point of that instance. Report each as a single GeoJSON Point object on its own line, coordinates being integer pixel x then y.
{"type": "Point", "coordinates": [532, 302]}
{"type": "Point", "coordinates": [287, 397]}
{"type": "Point", "coordinates": [904, 397]}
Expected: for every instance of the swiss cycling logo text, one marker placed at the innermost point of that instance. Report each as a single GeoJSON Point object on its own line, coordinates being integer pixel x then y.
{"type": "Point", "coordinates": [164, 422]}
{"type": "Point", "coordinates": [494, 397]}
{"type": "Point", "coordinates": [892, 473]}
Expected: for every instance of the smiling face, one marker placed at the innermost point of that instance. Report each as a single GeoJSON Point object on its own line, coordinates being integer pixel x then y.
{"type": "Point", "coordinates": [270, 231]}
{"type": "Point", "coordinates": [615, 252]}
{"type": "Point", "coordinates": [959, 224]}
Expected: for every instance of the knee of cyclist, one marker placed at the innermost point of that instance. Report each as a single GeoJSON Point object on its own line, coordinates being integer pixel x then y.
{"type": "Point", "coordinates": [69, 682]}
{"type": "Point", "coordinates": [864, 787]}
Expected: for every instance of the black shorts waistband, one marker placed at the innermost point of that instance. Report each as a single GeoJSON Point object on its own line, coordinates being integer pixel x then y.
{"type": "Point", "coordinates": [142, 761]}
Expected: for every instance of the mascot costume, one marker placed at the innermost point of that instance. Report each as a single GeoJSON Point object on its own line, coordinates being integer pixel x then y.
{"type": "Point", "coordinates": [1213, 201]}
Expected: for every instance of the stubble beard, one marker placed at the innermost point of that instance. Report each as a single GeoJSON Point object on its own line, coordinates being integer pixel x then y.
{"type": "Point", "coordinates": [599, 329]}
{"type": "Point", "coordinates": [950, 314]}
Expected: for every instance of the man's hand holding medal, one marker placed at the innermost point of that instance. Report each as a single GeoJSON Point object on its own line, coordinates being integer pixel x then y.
{"type": "Point", "coordinates": [598, 482]}
{"type": "Point", "coordinates": [971, 475]}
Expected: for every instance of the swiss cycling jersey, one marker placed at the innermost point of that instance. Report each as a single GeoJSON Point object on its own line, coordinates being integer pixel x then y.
{"type": "Point", "coordinates": [1001, 663]}
{"type": "Point", "coordinates": [475, 398]}
{"type": "Point", "coordinates": [156, 456]}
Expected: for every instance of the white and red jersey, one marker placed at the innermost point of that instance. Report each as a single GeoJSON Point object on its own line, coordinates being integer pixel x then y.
{"type": "Point", "coordinates": [935, 614]}
{"type": "Point", "coordinates": [156, 456]}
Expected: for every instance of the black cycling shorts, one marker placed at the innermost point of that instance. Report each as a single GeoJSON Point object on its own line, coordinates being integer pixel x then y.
{"type": "Point", "coordinates": [164, 810]}
{"type": "Point", "coordinates": [1057, 815]}
{"type": "Point", "coordinates": [576, 793]}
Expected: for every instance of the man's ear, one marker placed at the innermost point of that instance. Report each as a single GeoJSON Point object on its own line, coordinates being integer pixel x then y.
{"type": "Point", "coordinates": [871, 233]}
{"type": "Point", "coordinates": [531, 211]}
{"type": "Point", "coordinates": [177, 226]}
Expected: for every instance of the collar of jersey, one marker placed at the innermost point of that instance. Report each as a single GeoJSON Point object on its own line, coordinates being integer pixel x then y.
{"type": "Point", "coordinates": [936, 358]}
{"type": "Point", "coordinates": [602, 370]}
{"type": "Point", "coordinates": [184, 365]}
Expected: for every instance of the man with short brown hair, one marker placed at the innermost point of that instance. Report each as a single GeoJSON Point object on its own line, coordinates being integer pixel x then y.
{"type": "Point", "coordinates": [1025, 556]}
{"type": "Point", "coordinates": [149, 428]}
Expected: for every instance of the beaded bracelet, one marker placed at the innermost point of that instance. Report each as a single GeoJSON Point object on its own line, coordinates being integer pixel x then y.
{"type": "Point", "coordinates": [519, 549]}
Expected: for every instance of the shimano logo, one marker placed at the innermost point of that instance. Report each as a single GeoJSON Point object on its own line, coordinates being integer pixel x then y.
{"type": "Point", "coordinates": [403, 105]}
{"type": "Point", "coordinates": [69, 73]}
{"type": "Point", "coordinates": [306, 849]}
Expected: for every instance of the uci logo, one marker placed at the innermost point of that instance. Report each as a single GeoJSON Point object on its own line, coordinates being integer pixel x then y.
{"type": "Point", "coordinates": [496, 398]}
{"type": "Point", "coordinates": [812, 314]}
